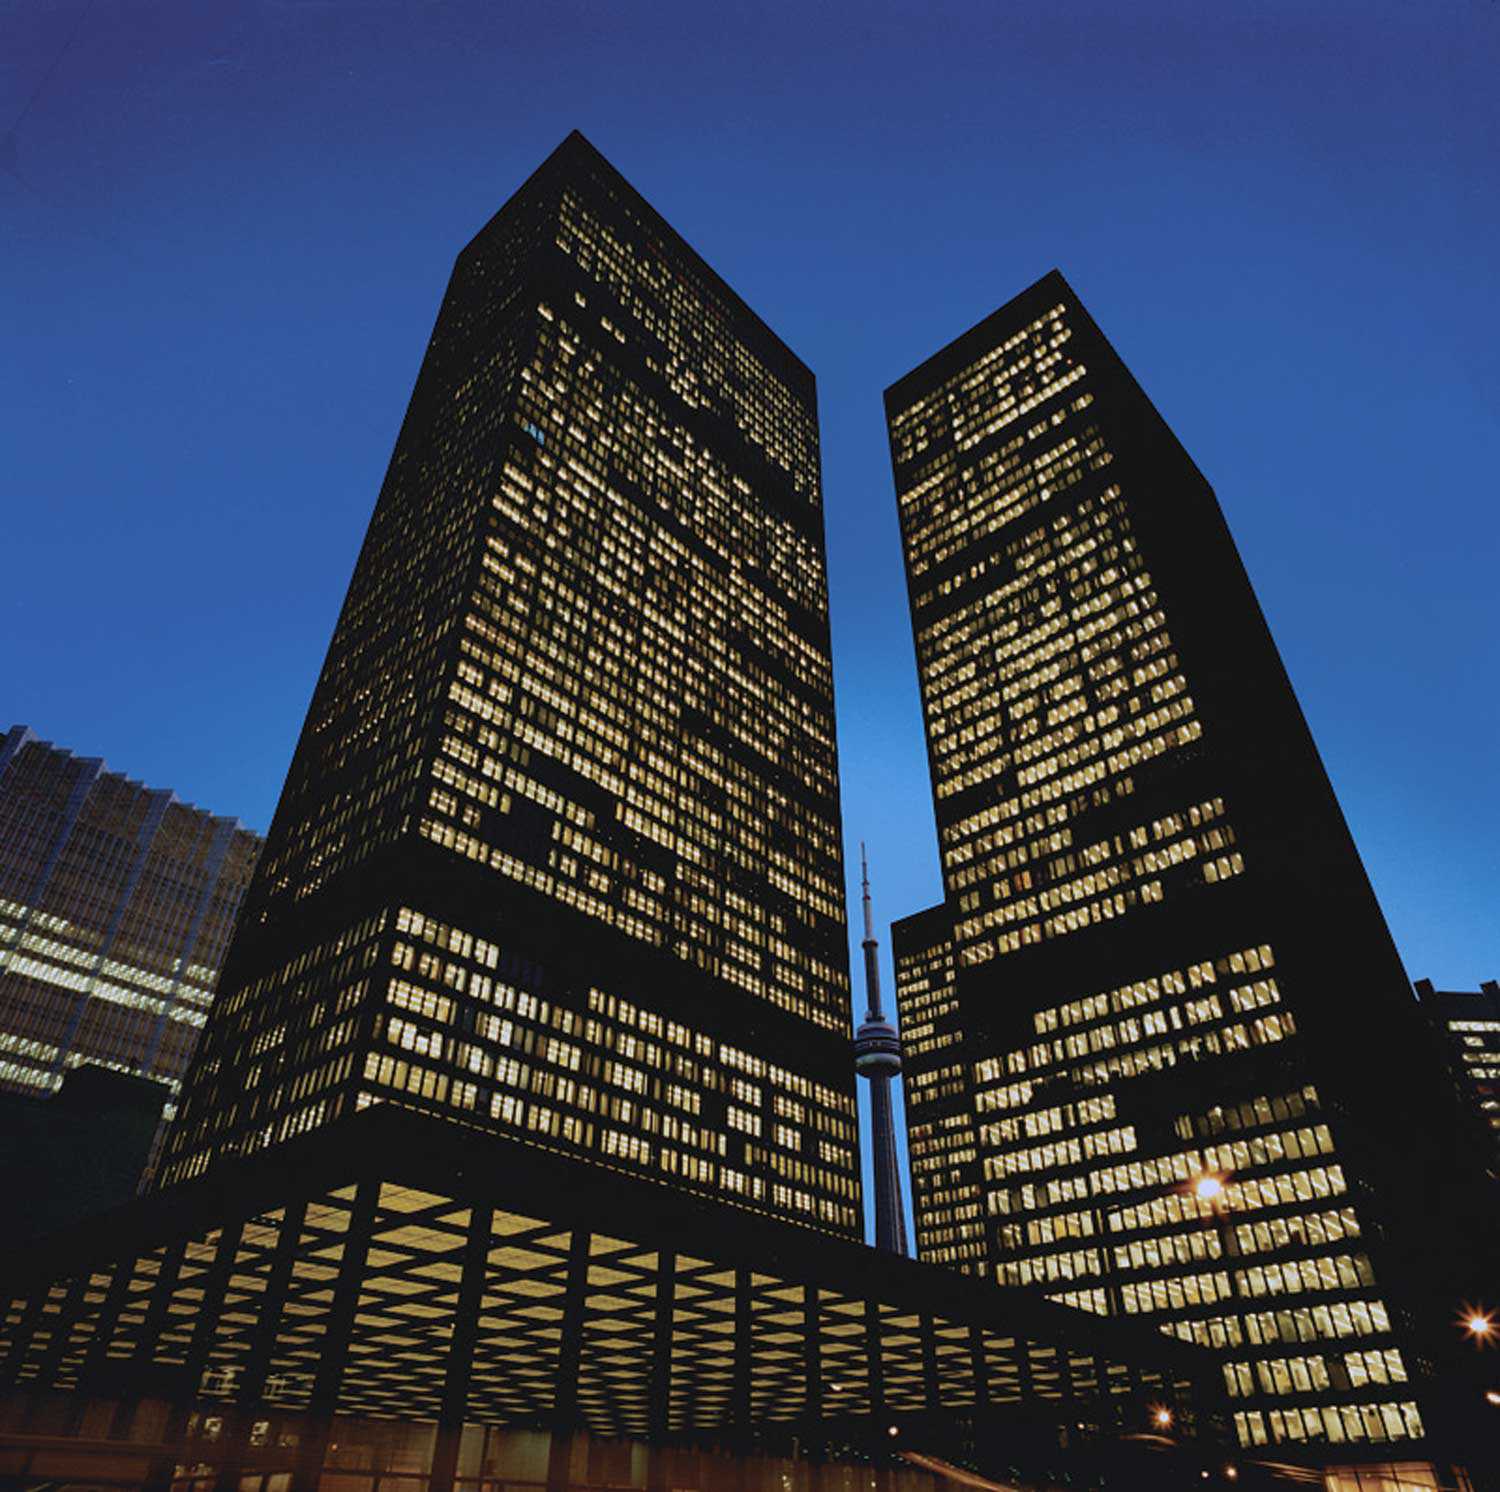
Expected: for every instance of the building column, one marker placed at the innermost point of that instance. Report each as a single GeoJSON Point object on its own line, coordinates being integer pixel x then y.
{"type": "Point", "coordinates": [67, 1319]}
{"type": "Point", "coordinates": [312, 1444]}
{"type": "Point", "coordinates": [813, 1439]}
{"type": "Point", "coordinates": [569, 1361]}
{"type": "Point", "coordinates": [877, 1365]}
{"type": "Point", "coordinates": [743, 1331]}
{"type": "Point", "coordinates": [459, 1368]}
{"type": "Point", "coordinates": [980, 1367]}
{"type": "Point", "coordinates": [257, 1365]}
{"type": "Point", "coordinates": [151, 1327]}
{"type": "Point", "coordinates": [659, 1409]}
{"type": "Point", "coordinates": [216, 1283]}
{"type": "Point", "coordinates": [932, 1389]}
{"type": "Point", "coordinates": [660, 1392]}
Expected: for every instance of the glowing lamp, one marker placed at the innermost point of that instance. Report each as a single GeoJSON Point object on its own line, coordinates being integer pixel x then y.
{"type": "Point", "coordinates": [1479, 1324]}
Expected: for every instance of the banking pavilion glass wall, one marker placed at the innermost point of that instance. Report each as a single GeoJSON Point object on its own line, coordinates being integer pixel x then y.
{"type": "Point", "coordinates": [559, 849]}
{"type": "Point", "coordinates": [1151, 1032]}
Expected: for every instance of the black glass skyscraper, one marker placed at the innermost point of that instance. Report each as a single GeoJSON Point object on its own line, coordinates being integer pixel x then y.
{"type": "Point", "coordinates": [558, 853]}
{"type": "Point", "coordinates": [1158, 1040]}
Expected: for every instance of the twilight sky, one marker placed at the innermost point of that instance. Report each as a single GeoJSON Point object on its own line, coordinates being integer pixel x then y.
{"type": "Point", "coordinates": [225, 230]}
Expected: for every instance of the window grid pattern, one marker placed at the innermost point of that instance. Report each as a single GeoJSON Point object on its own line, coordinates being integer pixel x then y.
{"type": "Point", "coordinates": [1049, 676]}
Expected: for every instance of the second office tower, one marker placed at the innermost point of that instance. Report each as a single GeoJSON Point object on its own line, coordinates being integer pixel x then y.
{"type": "Point", "coordinates": [1157, 1036]}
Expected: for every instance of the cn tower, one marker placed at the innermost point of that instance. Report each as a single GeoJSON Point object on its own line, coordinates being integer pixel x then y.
{"type": "Point", "coordinates": [877, 1056]}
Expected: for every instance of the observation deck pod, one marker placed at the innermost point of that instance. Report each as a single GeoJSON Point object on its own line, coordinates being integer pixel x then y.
{"type": "Point", "coordinates": [877, 1049]}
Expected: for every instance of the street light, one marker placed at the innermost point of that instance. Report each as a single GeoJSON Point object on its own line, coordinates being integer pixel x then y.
{"type": "Point", "coordinates": [1208, 1187]}
{"type": "Point", "coordinates": [1492, 1396]}
{"type": "Point", "coordinates": [1479, 1323]}
{"type": "Point", "coordinates": [1161, 1416]}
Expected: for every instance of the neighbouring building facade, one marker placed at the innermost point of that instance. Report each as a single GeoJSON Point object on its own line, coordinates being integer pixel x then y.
{"type": "Point", "coordinates": [116, 905]}
{"type": "Point", "coordinates": [558, 853]}
{"type": "Point", "coordinates": [1158, 1042]}
{"type": "Point", "coordinates": [1467, 1024]}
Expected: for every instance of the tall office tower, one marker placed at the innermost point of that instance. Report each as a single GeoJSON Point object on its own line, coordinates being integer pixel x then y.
{"type": "Point", "coordinates": [1467, 1026]}
{"type": "Point", "coordinates": [877, 1058]}
{"type": "Point", "coordinates": [1159, 1043]}
{"type": "Point", "coordinates": [558, 853]}
{"type": "Point", "coordinates": [116, 905]}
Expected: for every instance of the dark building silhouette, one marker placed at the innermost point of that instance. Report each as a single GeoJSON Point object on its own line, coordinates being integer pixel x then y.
{"type": "Point", "coordinates": [1467, 1025]}
{"type": "Point", "coordinates": [1161, 1058]}
{"type": "Point", "coordinates": [558, 853]}
{"type": "Point", "coordinates": [77, 1152]}
{"type": "Point", "coordinates": [116, 906]}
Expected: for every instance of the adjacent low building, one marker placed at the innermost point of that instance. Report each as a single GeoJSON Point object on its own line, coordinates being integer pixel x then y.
{"type": "Point", "coordinates": [79, 1151]}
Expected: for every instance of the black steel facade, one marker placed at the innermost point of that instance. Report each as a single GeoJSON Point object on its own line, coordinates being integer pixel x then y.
{"type": "Point", "coordinates": [1159, 1045]}
{"type": "Point", "coordinates": [558, 853]}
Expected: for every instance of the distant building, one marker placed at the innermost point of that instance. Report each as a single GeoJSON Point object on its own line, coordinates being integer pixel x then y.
{"type": "Point", "coordinates": [116, 904]}
{"type": "Point", "coordinates": [1468, 1024]}
{"type": "Point", "coordinates": [76, 1152]}
{"type": "Point", "coordinates": [1161, 1059]}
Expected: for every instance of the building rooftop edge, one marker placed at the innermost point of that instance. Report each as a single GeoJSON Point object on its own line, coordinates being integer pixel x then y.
{"type": "Point", "coordinates": [30, 738]}
{"type": "Point", "coordinates": [577, 142]}
{"type": "Point", "coordinates": [953, 353]}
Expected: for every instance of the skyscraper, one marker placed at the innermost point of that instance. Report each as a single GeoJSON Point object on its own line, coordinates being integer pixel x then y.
{"type": "Point", "coordinates": [558, 853]}
{"type": "Point", "coordinates": [1158, 1037]}
{"type": "Point", "coordinates": [116, 905]}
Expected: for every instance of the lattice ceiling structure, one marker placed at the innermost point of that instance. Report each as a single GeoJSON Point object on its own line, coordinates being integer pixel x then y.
{"type": "Point", "coordinates": [396, 1267]}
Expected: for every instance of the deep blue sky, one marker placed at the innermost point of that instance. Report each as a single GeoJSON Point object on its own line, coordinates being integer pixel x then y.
{"type": "Point", "coordinates": [225, 229]}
